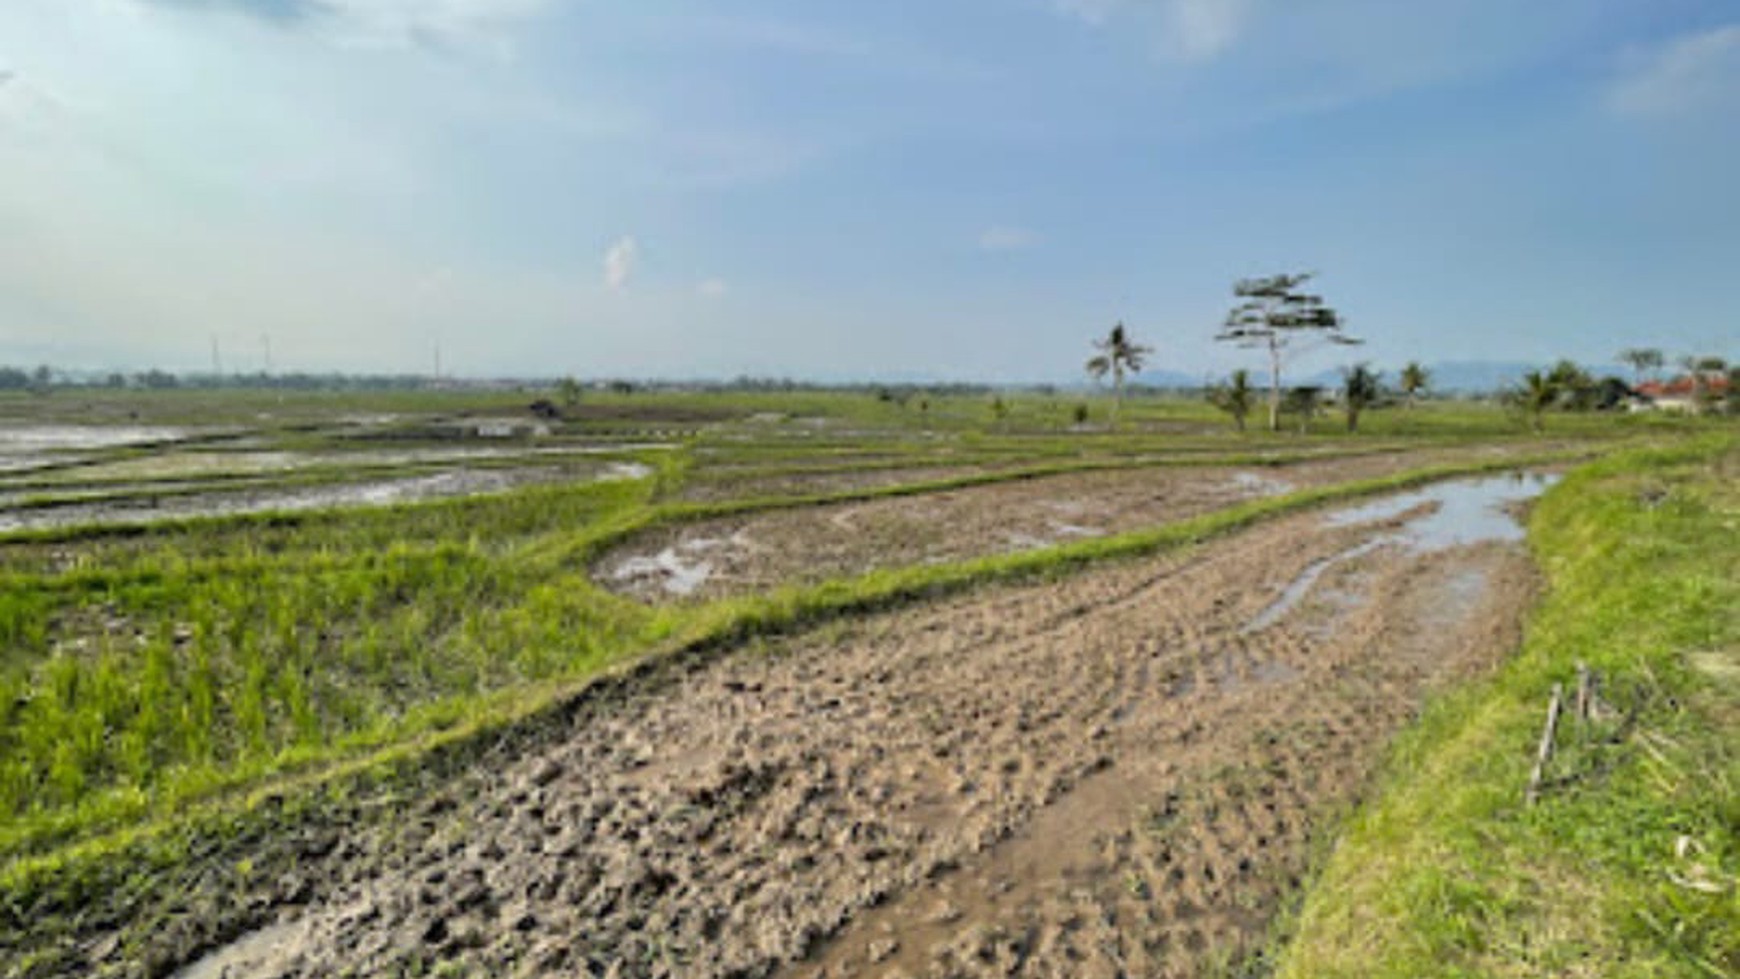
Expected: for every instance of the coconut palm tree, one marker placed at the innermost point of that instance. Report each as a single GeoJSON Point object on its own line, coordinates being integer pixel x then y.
{"type": "Point", "coordinates": [1236, 397]}
{"type": "Point", "coordinates": [1415, 378]}
{"type": "Point", "coordinates": [1118, 353]}
{"type": "Point", "coordinates": [1534, 395]}
{"type": "Point", "coordinates": [1304, 401]}
{"type": "Point", "coordinates": [1360, 389]}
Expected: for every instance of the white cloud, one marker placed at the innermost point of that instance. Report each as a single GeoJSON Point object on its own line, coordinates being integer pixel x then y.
{"type": "Point", "coordinates": [1004, 238]}
{"type": "Point", "coordinates": [887, 54]}
{"type": "Point", "coordinates": [405, 22]}
{"type": "Point", "coordinates": [1092, 12]}
{"type": "Point", "coordinates": [385, 23]}
{"type": "Point", "coordinates": [619, 262]}
{"type": "Point", "coordinates": [1689, 73]}
{"type": "Point", "coordinates": [711, 288]}
{"type": "Point", "coordinates": [1190, 30]}
{"type": "Point", "coordinates": [1202, 29]}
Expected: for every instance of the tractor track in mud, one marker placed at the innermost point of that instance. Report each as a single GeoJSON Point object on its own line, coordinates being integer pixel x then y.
{"type": "Point", "coordinates": [1111, 774]}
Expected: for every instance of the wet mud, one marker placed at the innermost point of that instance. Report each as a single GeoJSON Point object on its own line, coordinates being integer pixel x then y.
{"type": "Point", "coordinates": [734, 555]}
{"type": "Point", "coordinates": [146, 506]}
{"type": "Point", "coordinates": [1110, 775]}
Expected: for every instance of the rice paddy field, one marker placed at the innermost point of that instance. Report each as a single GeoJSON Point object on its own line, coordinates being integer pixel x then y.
{"type": "Point", "coordinates": [826, 684]}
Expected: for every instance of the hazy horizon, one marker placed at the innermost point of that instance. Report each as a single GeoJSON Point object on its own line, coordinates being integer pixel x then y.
{"type": "Point", "coordinates": [838, 191]}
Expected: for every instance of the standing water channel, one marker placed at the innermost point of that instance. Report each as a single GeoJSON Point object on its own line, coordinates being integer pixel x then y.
{"type": "Point", "coordinates": [1454, 513]}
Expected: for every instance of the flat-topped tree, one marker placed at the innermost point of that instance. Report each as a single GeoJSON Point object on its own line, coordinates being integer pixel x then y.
{"type": "Point", "coordinates": [1275, 312]}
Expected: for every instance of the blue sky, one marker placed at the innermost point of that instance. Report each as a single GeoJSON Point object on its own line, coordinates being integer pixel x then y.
{"type": "Point", "coordinates": [949, 188]}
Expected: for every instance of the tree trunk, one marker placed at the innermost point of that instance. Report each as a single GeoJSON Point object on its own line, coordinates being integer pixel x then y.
{"type": "Point", "coordinates": [1274, 385]}
{"type": "Point", "coordinates": [1352, 419]}
{"type": "Point", "coordinates": [1117, 393]}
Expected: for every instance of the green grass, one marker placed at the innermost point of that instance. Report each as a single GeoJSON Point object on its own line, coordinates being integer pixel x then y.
{"type": "Point", "coordinates": [1629, 864]}
{"type": "Point", "coordinates": [140, 686]}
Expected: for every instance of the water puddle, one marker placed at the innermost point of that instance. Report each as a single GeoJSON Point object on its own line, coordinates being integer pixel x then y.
{"type": "Point", "coordinates": [1296, 589]}
{"type": "Point", "coordinates": [1464, 511]}
{"type": "Point", "coordinates": [1257, 485]}
{"type": "Point", "coordinates": [1062, 529]}
{"type": "Point", "coordinates": [146, 508]}
{"type": "Point", "coordinates": [49, 438]}
{"type": "Point", "coordinates": [674, 568]}
{"type": "Point", "coordinates": [1451, 514]}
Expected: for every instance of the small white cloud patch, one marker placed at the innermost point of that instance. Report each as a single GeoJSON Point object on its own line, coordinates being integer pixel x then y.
{"type": "Point", "coordinates": [711, 288]}
{"type": "Point", "coordinates": [619, 261]}
{"type": "Point", "coordinates": [1004, 239]}
{"type": "Point", "coordinates": [1092, 12]}
{"type": "Point", "coordinates": [1189, 30]}
{"type": "Point", "coordinates": [1693, 72]}
{"type": "Point", "coordinates": [1202, 29]}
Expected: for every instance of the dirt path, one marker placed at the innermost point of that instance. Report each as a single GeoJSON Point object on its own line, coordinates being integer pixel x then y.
{"type": "Point", "coordinates": [1116, 774]}
{"type": "Point", "coordinates": [701, 560]}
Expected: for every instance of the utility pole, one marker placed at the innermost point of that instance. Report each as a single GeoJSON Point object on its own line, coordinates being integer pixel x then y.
{"type": "Point", "coordinates": [266, 347]}
{"type": "Point", "coordinates": [217, 363]}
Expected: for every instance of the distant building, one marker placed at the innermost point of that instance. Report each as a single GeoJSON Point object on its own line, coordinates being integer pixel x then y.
{"type": "Point", "coordinates": [1680, 393]}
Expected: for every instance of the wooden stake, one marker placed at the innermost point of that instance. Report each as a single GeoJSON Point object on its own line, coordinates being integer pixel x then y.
{"type": "Point", "coordinates": [1546, 749]}
{"type": "Point", "coordinates": [1585, 686]}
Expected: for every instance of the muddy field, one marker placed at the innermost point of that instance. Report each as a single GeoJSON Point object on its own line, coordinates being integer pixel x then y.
{"type": "Point", "coordinates": [149, 505]}
{"type": "Point", "coordinates": [728, 556]}
{"type": "Point", "coordinates": [724, 485]}
{"type": "Point", "coordinates": [1117, 774]}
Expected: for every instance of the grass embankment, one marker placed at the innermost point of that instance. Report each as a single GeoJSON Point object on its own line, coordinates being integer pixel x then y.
{"type": "Point", "coordinates": [1628, 864]}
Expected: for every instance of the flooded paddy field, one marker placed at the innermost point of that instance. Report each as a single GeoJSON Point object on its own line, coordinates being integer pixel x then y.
{"type": "Point", "coordinates": [183, 501]}
{"type": "Point", "coordinates": [68, 476]}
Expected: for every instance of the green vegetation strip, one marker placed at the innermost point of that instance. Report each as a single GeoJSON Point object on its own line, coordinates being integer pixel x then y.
{"type": "Point", "coordinates": [559, 637]}
{"type": "Point", "coordinates": [1629, 863]}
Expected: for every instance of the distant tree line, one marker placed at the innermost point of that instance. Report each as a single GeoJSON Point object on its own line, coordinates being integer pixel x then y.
{"type": "Point", "coordinates": [46, 378]}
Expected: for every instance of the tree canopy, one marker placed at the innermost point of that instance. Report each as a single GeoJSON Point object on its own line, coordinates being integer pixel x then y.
{"type": "Point", "coordinates": [1273, 312]}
